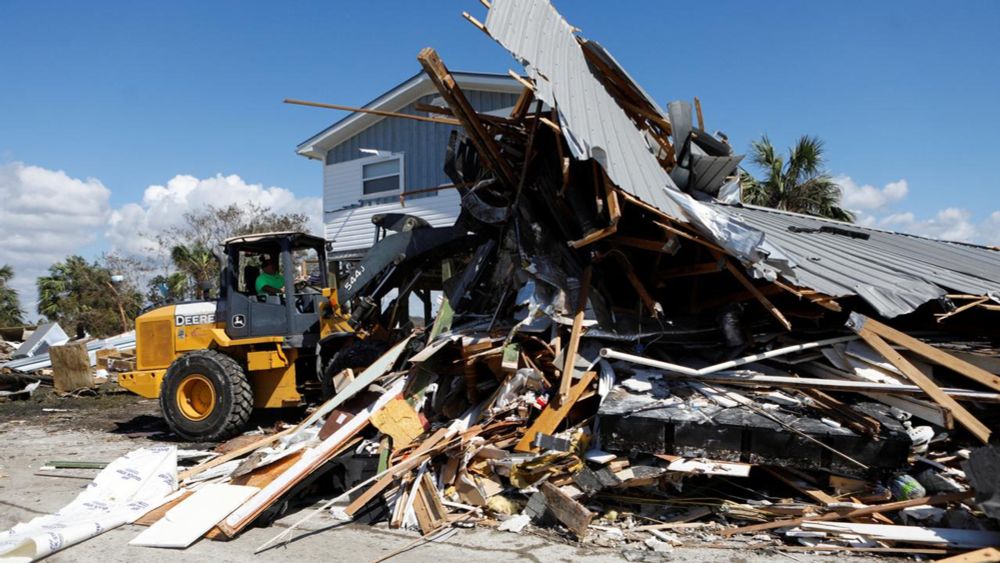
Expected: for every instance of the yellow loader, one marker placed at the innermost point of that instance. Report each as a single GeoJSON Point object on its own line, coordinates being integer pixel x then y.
{"type": "Point", "coordinates": [211, 363]}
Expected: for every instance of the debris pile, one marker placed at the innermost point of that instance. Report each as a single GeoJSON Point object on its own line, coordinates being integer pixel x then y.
{"type": "Point", "coordinates": [625, 360]}
{"type": "Point", "coordinates": [45, 355]}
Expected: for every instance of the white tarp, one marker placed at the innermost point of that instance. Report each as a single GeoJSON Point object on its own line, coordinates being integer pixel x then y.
{"type": "Point", "coordinates": [127, 488]}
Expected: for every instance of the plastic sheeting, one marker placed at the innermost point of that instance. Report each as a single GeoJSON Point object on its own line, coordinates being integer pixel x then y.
{"type": "Point", "coordinates": [126, 489]}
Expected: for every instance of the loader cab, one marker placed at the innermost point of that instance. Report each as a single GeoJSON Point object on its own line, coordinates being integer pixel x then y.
{"type": "Point", "coordinates": [293, 312]}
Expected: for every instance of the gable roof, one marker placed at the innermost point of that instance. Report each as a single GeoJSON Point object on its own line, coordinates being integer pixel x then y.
{"type": "Point", "coordinates": [407, 92]}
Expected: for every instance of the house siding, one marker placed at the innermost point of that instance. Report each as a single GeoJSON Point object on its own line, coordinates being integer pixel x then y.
{"type": "Point", "coordinates": [347, 216]}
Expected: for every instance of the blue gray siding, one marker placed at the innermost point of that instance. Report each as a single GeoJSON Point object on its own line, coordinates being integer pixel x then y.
{"type": "Point", "coordinates": [422, 142]}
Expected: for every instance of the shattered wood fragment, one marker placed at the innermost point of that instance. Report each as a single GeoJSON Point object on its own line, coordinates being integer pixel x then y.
{"type": "Point", "coordinates": [572, 514]}
{"type": "Point", "coordinates": [877, 509]}
{"type": "Point", "coordinates": [552, 415]}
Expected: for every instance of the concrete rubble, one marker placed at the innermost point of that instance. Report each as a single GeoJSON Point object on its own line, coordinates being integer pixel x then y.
{"type": "Point", "coordinates": [623, 360]}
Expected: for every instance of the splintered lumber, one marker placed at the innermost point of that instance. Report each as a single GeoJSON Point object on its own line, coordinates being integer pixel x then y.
{"type": "Point", "coordinates": [265, 441]}
{"type": "Point", "coordinates": [572, 514]}
{"type": "Point", "coordinates": [71, 367]}
{"type": "Point", "coordinates": [574, 337]}
{"type": "Point", "coordinates": [929, 352]}
{"type": "Point", "coordinates": [964, 417]}
{"type": "Point", "coordinates": [867, 511]}
{"type": "Point", "coordinates": [552, 415]}
{"type": "Point", "coordinates": [484, 142]}
{"type": "Point", "coordinates": [415, 459]}
{"type": "Point", "coordinates": [307, 464]}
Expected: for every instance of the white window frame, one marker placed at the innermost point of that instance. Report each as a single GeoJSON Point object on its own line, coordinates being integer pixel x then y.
{"type": "Point", "coordinates": [362, 162]}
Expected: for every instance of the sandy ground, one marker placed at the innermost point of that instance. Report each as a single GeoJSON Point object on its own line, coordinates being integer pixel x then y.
{"type": "Point", "coordinates": [102, 428]}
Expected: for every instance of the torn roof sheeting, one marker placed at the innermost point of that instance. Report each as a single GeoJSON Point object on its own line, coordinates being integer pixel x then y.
{"type": "Point", "coordinates": [895, 273]}
{"type": "Point", "coordinates": [592, 122]}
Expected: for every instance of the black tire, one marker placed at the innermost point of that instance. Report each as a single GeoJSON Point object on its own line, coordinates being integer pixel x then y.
{"type": "Point", "coordinates": [355, 354]}
{"type": "Point", "coordinates": [231, 397]}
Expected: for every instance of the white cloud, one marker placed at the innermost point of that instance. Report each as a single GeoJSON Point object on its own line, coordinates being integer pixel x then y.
{"type": "Point", "coordinates": [45, 215]}
{"type": "Point", "coordinates": [133, 227]}
{"type": "Point", "coordinates": [876, 207]}
{"type": "Point", "coordinates": [868, 197]}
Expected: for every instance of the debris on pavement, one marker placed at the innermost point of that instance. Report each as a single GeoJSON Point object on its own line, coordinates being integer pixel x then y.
{"type": "Point", "coordinates": [627, 361]}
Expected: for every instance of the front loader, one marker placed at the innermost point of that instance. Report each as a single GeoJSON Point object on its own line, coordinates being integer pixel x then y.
{"type": "Point", "coordinates": [211, 363]}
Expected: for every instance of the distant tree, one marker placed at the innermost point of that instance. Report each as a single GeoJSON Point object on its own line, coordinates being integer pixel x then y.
{"type": "Point", "coordinates": [801, 184]}
{"type": "Point", "coordinates": [165, 289]}
{"type": "Point", "coordinates": [193, 244]}
{"type": "Point", "coordinates": [85, 297]}
{"type": "Point", "coordinates": [198, 264]}
{"type": "Point", "coordinates": [11, 313]}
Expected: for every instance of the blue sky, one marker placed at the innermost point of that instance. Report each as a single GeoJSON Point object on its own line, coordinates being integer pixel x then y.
{"type": "Point", "coordinates": [133, 94]}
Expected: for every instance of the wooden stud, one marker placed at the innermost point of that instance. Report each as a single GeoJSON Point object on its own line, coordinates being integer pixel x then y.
{"type": "Point", "coordinates": [984, 555]}
{"type": "Point", "coordinates": [933, 354]}
{"type": "Point", "coordinates": [574, 337]}
{"type": "Point", "coordinates": [484, 142]}
{"type": "Point", "coordinates": [697, 110]}
{"type": "Point", "coordinates": [552, 415]}
{"type": "Point", "coordinates": [755, 291]}
{"type": "Point", "coordinates": [964, 417]}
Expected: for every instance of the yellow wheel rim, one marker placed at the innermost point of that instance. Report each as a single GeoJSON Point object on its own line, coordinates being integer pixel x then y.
{"type": "Point", "coordinates": [196, 397]}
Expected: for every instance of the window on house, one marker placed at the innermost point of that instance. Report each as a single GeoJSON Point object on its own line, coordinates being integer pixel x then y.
{"type": "Point", "coordinates": [383, 176]}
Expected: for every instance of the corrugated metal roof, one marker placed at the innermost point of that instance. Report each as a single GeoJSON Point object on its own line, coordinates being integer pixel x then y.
{"type": "Point", "coordinates": [592, 122]}
{"type": "Point", "coordinates": [894, 272]}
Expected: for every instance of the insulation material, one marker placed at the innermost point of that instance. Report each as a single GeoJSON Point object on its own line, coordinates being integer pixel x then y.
{"type": "Point", "coordinates": [127, 488]}
{"type": "Point", "coordinates": [400, 421]}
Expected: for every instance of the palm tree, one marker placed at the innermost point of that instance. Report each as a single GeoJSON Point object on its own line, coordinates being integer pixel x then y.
{"type": "Point", "coordinates": [800, 185]}
{"type": "Point", "coordinates": [197, 262]}
{"type": "Point", "coordinates": [11, 313]}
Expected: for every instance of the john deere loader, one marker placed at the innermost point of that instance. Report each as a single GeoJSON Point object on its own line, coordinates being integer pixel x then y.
{"type": "Point", "coordinates": [211, 363]}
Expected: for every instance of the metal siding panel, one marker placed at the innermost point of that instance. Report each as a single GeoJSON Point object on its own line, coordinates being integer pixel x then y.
{"type": "Point", "coordinates": [894, 272]}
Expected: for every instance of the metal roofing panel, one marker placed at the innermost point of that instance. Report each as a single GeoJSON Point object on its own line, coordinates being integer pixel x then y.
{"type": "Point", "coordinates": [592, 122]}
{"type": "Point", "coordinates": [894, 272]}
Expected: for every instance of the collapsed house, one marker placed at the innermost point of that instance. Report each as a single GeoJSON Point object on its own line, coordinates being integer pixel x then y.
{"type": "Point", "coordinates": [627, 358]}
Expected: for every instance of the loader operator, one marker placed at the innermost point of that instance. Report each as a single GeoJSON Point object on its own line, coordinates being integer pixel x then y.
{"type": "Point", "coordinates": [269, 281]}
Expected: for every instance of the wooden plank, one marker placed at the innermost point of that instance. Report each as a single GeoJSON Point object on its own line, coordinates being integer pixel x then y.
{"type": "Point", "coordinates": [431, 513]}
{"type": "Point", "coordinates": [265, 441]}
{"type": "Point", "coordinates": [71, 367]}
{"type": "Point", "coordinates": [964, 417]}
{"type": "Point", "coordinates": [931, 353]}
{"type": "Point", "coordinates": [484, 142]}
{"type": "Point", "coordinates": [984, 555]}
{"type": "Point", "coordinates": [552, 415]}
{"type": "Point", "coordinates": [868, 510]}
{"type": "Point", "coordinates": [756, 293]}
{"type": "Point", "coordinates": [442, 120]}
{"type": "Point", "coordinates": [814, 493]}
{"type": "Point", "coordinates": [697, 110]}
{"type": "Point", "coordinates": [574, 336]}
{"type": "Point", "coordinates": [594, 236]}
{"type": "Point", "coordinates": [572, 514]}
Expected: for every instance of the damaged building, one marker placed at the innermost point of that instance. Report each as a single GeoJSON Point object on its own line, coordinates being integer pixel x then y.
{"type": "Point", "coordinates": [625, 354]}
